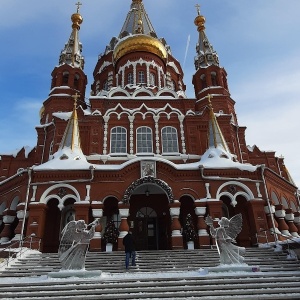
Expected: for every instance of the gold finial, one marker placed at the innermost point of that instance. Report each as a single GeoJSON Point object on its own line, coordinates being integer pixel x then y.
{"type": "Point", "coordinates": [76, 96]}
{"type": "Point", "coordinates": [198, 9]}
{"type": "Point", "coordinates": [78, 6]}
{"type": "Point", "coordinates": [199, 20]}
{"type": "Point", "coordinates": [209, 100]}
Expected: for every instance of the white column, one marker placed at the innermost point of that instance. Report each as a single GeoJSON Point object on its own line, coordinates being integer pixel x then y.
{"type": "Point", "coordinates": [157, 144]}
{"type": "Point", "coordinates": [106, 119]}
{"type": "Point", "coordinates": [131, 143]}
{"type": "Point", "coordinates": [88, 190]}
{"type": "Point", "coordinates": [181, 118]}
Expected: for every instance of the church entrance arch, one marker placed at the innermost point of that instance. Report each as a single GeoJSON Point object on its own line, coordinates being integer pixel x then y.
{"type": "Point", "coordinates": [149, 218]}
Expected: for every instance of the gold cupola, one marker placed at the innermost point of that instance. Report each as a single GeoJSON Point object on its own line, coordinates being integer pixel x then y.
{"type": "Point", "coordinates": [140, 42]}
{"type": "Point", "coordinates": [138, 34]}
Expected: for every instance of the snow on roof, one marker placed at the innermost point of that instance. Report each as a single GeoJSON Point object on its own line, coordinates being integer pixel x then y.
{"type": "Point", "coordinates": [44, 125]}
{"type": "Point", "coordinates": [15, 152]}
{"type": "Point", "coordinates": [218, 158]}
{"type": "Point", "coordinates": [66, 159]}
{"type": "Point", "coordinates": [59, 87]}
{"type": "Point", "coordinates": [77, 161]}
{"type": "Point", "coordinates": [251, 149]}
{"type": "Point", "coordinates": [63, 115]}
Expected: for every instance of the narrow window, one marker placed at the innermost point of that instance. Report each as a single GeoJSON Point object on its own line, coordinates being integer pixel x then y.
{"type": "Point", "coordinates": [141, 78]}
{"type": "Point", "coordinates": [144, 140]}
{"type": "Point", "coordinates": [130, 78]}
{"type": "Point", "coordinates": [118, 140]}
{"type": "Point", "coordinates": [105, 85]}
{"type": "Point", "coordinates": [76, 82]}
{"type": "Point", "coordinates": [65, 78]}
{"type": "Point", "coordinates": [203, 81]}
{"type": "Point", "coordinates": [152, 79]}
{"type": "Point", "coordinates": [214, 79]}
{"type": "Point", "coordinates": [169, 140]}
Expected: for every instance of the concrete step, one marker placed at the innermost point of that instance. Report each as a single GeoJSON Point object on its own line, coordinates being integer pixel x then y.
{"type": "Point", "coordinates": [179, 288]}
{"type": "Point", "coordinates": [147, 261]}
{"type": "Point", "coordinates": [154, 277]}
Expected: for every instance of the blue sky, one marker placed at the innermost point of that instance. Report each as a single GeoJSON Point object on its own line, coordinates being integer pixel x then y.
{"type": "Point", "coordinates": [257, 42]}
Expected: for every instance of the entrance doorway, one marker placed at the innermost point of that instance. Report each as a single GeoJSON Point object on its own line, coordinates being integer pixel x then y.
{"type": "Point", "coordinates": [150, 220]}
{"type": "Point", "coordinates": [145, 229]}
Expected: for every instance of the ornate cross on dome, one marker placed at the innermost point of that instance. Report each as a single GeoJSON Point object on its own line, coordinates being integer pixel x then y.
{"type": "Point", "coordinates": [198, 9]}
{"type": "Point", "coordinates": [78, 6]}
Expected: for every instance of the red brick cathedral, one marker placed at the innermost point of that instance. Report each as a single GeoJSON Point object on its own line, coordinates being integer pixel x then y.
{"type": "Point", "coordinates": [141, 155]}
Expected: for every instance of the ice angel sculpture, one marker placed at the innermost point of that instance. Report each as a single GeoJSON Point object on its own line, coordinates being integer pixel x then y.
{"type": "Point", "coordinates": [74, 243]}
{"type": "Point", "coordinates": [225, 235]}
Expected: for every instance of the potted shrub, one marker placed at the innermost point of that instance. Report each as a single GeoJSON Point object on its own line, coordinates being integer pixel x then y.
{"type": "Point", "coordinates": [111, 234]}
{"type": "Point", "coordinates": [189, 232]}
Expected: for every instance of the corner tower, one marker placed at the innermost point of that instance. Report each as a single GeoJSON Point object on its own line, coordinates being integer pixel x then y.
{"type": "Point", "coordinates": [210, 78]}
{"type": "Point", "coordinates": [68, 78]}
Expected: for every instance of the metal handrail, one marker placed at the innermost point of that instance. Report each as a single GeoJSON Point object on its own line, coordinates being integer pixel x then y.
{"type": "Point", "coordinates": [257, 235]}
{"type": "Point", "coordinates": [287, 242]}
{"type": "Point", "coordinates": [29, 239]}
{"type": "Point", "coordinates": [288, 245]}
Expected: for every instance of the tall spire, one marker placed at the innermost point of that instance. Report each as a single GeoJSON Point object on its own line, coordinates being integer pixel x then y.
{"type": "Point", "coordinates": [206, 55]}
{"type": "Point", "coordinates": [71, 138]}
{"type": "Point", "coordinates": [137, 21]}
{"type": "Point", "coordinates": [215, 136]}
{"type": "Point", "coordinates": [71, 54]}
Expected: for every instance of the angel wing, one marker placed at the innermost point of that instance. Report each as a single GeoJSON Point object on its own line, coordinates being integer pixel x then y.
{"type": "Point", "coordinates": [235, 226]}
{"type": "Point", "coordinates": [67, 237]}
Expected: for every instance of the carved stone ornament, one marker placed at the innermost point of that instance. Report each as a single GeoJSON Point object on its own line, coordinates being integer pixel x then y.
{"type": "Point", "coordinates": [148, 179]}
{"type": "Point", "coordinates": [62, 192]}
{"type": "Point", "coordinates": [148, 168]}
{"type": "Point", "coordinates": [232, 189]}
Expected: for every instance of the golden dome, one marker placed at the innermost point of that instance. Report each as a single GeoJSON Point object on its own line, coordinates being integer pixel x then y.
{"type": "Point", "coordinates": [140, 42]}
{"type": "Point", "coordinates": [199, 22]}
{"type": "Point", "coordinates": [76, 19]}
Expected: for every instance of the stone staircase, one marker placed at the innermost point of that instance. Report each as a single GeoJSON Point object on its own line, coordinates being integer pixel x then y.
{"type": "Point", "coordinates": [157, 275]}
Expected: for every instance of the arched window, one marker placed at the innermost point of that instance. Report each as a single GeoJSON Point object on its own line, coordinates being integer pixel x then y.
{"type": "Point", "coordinates": [130, 78]}
{"type": "Point", "coordinates": [152, 79]}
{"type": "Point", "coordinates": [274, 199]}
{"type": "Point", "coordinates": [141, 78]}
{"type": "Point", "coordinates": [169, 140]}
{"type": "Point", "coordinates": [284, 203]}
{"type": "Point", "coordinates": [97, 86]}
{"type": "Point", "coordinates": [203, 81]}
{"type": "Point", "coordinates": [76, 81]}
{"type": "Point", "coordinates": [144, 140]}
{"type": "Point", "coordinates": [105, 85]}
{"type": "Point", "coordinates": [118, 138]}
{"type": "Point", "coordinates": [214, 79]}
{"type": "Point", "coordinates": [65, 80]}
{"type": "Point", "coordinates": [173, 85]}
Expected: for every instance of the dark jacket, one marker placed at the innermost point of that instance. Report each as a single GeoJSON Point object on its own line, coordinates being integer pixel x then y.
{"type": "Point", "coordinates": [129, 243]}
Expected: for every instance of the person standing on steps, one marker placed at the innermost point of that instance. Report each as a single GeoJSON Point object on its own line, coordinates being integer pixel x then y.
{"type": "Point", "coordinates": [129, 244]}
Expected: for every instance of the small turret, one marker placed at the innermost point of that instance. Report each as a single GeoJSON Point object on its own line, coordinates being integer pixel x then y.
{"type": "Point", "coordinates": [210, 77]}
{"type": "Point", "coordinates": [206, 55]}
{"type": "Point", "coordinates": [68, 77]}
